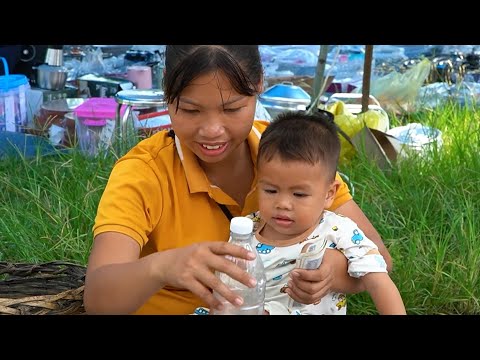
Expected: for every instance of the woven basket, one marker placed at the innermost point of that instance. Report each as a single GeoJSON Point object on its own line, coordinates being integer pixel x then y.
{"type": "Point", "coordinates": [54, 288]}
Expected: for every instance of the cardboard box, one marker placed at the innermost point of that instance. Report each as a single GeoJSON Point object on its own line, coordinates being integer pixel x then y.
{"type": "Point", "coordinates": [378, 146]}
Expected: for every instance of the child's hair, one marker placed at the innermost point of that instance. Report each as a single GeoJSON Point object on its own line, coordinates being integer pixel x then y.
{"type": "Point", "coordinates": [305, 137]}
{"type": "Point", "coordinates": [183, 63]}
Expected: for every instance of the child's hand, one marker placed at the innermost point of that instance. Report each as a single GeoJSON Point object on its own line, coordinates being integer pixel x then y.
{"type": "Point", "coordinates": [309, 286]}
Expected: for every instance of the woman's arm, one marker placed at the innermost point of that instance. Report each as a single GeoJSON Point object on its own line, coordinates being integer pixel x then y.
{"type": "Point", "coordinates": [119, 282]}
{"type": "Point", "coordinates": [351, 210]}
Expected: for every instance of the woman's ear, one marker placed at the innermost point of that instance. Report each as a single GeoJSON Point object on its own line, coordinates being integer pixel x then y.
{"type": "Point", "coordinates": [331, 192]}
{"type": "Point", "coordinates": [260, 86]}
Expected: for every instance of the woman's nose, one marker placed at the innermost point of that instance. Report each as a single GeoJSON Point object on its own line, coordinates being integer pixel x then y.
{"type": "Point", "coordinates": [211, 128]}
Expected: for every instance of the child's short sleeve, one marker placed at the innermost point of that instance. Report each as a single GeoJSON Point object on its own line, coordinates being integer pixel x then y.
{"type": "Point", "coordinates": [362, 253]}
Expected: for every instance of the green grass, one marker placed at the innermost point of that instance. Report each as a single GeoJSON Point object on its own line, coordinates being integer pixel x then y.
{"type": "Point", "coordinates": [48, 205]}
{"type": "Point", "coordinates": [426, 210]}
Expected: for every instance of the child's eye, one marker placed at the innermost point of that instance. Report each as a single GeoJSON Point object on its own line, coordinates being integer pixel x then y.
{"type": "Point", "coordinates": [270, 191]}
{"type": "Point", "coordinates": [300, 194]}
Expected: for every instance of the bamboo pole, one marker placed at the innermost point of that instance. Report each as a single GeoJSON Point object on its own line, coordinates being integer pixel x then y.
{"type": "Point", "coordinates": [320, 71]}
{"type": "Point", "coordinates": [319, 82]}
{"type": "Point", "coordinates": [367, 71]}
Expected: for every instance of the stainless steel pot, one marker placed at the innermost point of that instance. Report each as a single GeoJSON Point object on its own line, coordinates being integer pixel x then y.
{"type": "Point", "coordinates": [51, 77]}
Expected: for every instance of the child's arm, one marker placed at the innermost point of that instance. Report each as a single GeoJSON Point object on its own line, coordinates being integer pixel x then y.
{"type": "Point", "coordinates": [342, 281]}
{"type": "Point", "coordinates": [384, 294]}
{"type": "Point", "coordinates": [366, 263]}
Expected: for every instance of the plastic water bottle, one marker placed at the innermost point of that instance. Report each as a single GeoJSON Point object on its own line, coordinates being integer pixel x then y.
{"type": "Point", "coordinates": [241, 234]}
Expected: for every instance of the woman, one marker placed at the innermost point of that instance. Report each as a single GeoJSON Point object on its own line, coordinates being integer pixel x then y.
{"type": "Point", "coordinates": [163, 220]}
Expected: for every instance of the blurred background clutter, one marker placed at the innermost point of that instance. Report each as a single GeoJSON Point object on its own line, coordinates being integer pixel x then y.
{"type": "Point", "coordinates": [42, 85]}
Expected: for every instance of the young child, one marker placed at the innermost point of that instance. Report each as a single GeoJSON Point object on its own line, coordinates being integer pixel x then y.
{"type": "Point", "coordinates": [297, 162]}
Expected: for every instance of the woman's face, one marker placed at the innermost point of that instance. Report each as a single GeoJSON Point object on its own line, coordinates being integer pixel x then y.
{"type": "Point", "coordinates": [212, 118]}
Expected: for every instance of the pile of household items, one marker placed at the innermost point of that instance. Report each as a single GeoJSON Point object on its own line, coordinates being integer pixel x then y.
{"type": "Point", "coordinates": [85, 95]}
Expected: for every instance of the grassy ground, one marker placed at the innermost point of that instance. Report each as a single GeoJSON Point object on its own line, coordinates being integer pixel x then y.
{"type": "Point", "coordinates": [427, 211]}
{"type": "Point", "coordinates": [48, 205]}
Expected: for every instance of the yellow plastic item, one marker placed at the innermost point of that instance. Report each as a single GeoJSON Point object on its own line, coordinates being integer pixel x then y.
{"type": "Point", "coordinates": [351, 124]}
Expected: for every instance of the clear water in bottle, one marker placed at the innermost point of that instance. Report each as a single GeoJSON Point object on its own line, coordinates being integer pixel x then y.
{"type": "Point", "coordinates": [253, 298]}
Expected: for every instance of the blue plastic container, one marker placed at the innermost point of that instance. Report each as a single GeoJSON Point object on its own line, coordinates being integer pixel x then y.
{"type": "Point", "coordinates": [13, 103]}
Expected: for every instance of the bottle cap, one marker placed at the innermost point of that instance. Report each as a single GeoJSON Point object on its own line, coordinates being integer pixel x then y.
{"type": "Point", "coordinates": [241, 225]}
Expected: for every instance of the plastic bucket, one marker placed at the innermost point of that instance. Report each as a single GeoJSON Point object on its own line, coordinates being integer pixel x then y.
{"type": "Point", "coordinates": [417, 139]}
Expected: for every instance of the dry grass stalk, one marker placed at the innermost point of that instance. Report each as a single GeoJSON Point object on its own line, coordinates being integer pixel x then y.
{"type": "Point", "coordinates": [52, 288]}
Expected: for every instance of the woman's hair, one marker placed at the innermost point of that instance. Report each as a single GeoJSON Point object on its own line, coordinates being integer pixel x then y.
{"type": "Point", "coordinates": [241, 64]}
{"type": "Point", "coordinates": [296, 136]}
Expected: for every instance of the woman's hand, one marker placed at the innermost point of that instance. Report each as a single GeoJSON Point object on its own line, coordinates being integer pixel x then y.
{"type": "Point", "coordinates": [193, 268]}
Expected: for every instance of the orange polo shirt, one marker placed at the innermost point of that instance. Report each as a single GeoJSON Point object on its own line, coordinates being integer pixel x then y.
{"type": "Point", "coordinates": [160, 196]}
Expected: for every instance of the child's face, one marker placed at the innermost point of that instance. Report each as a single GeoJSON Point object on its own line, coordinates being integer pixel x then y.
{"type": "Point", "coordinates": [212, 118]}
{"type": "Point", "coordinates": [293, 195]}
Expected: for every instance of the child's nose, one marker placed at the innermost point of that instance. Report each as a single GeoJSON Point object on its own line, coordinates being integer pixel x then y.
{"type": "Point", "coordinates": [284, 203]}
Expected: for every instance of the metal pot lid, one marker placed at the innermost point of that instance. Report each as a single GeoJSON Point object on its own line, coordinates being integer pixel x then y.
{"type": "Point", "coordinates": [140, 97]}
{"type": "Point", "coordinates": [52, 68]}
{"type": "Point", "coordinates": [286, 92]}
{"type": "Point", "coordinates": [62, 105]}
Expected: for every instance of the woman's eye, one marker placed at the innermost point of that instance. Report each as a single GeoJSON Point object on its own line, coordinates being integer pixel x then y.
{"type": "Point", "coordinates": [232, 110]}
{"type": "Point", "coordinates": [190, 111]}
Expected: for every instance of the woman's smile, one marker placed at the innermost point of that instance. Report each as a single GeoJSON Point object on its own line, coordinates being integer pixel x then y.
{"type": "Point", "coordinates": [213, 149]}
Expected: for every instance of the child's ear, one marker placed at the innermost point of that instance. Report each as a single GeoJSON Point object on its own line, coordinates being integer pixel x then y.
{"type": "Point", "coordinates": [332, 191]}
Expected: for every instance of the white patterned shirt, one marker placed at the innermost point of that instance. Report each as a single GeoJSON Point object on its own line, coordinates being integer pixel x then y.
{"type": "Point", "coordinates": [333, 231]}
